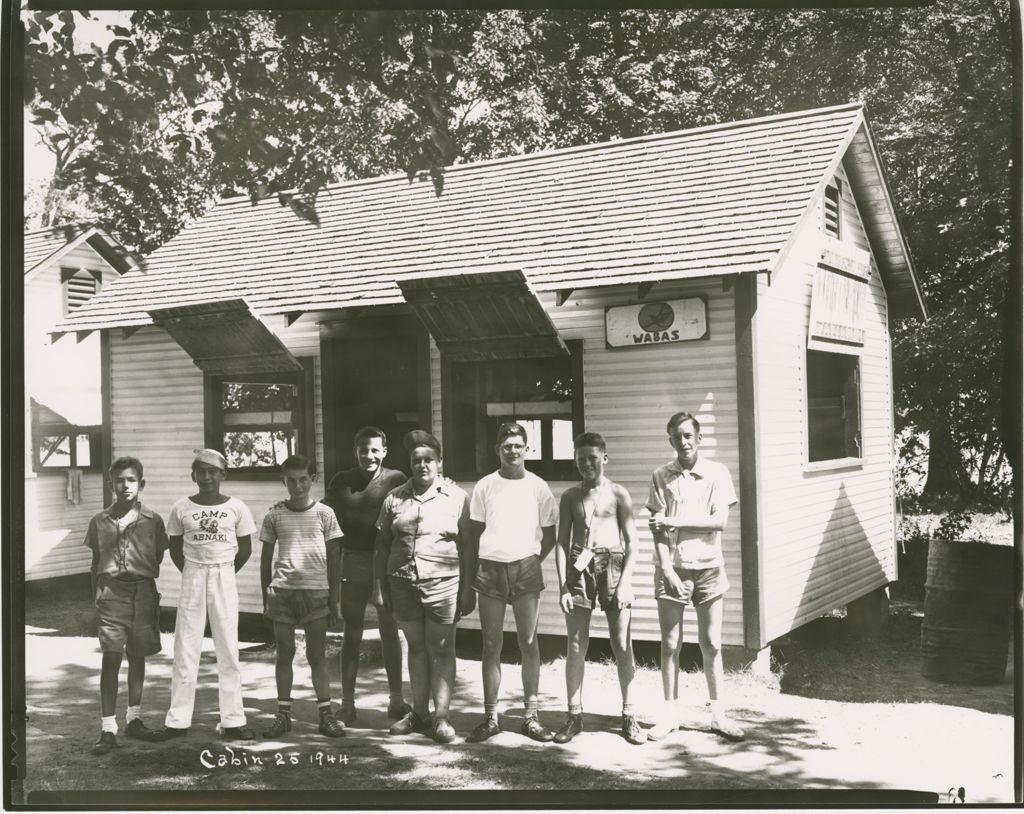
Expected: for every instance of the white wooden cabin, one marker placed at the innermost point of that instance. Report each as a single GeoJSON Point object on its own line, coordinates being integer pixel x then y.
{"type": "Point", "coordinates": [65, 266]}
{"type": "Point", "coordinates": [746, 272]}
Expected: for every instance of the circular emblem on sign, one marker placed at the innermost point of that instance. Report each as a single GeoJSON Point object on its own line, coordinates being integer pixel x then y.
{"type": "Point", "coordinates": [656, 316]}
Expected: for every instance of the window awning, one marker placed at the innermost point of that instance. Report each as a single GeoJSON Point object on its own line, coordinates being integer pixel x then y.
{"type": "Point", "coordinates": [224, 337]}
{"type": "Point", "coordinates": [474, 317]}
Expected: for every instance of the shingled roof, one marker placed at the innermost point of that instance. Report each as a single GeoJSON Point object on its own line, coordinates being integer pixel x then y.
{"type": "Point", "coordinates": [50, 243]}
{"type": "Point", "coordinates": [722, 199]}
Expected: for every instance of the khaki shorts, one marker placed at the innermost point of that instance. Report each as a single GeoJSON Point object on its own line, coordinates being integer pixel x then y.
{"type": "Point", "coordinates": [596, 584]}
{"type": "Point", "coordinates": [128, 615]}
{"type": "Point", "coordinates": [704, 584]}
{"type": "Point", "coordinates": [435, 599]}
{"type": "Point", "coordinates": [508, 581]}
{"type": "Point", "coordinates": [296, 606]}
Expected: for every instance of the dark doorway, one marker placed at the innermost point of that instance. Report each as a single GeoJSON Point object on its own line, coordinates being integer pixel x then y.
{"type": "Point", "coordinates": [376, 374]}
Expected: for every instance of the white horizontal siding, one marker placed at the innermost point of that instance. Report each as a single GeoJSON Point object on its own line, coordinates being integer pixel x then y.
{"type": "Point", "coordinates": [55, 527]}
{"type": "Point", "coordinates": [826, 537]}
{"type": "Point", "coordinates": [629, 394]}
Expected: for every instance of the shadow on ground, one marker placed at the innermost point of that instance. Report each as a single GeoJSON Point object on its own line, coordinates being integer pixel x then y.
{"type": "Point", "coordinates": [824, 660]}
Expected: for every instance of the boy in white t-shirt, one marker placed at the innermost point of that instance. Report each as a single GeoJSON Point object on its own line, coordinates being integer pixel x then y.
{"type": "Point", "coordinates": [512, 519]}
{"type": "Point", "coordinates": [210, 540]}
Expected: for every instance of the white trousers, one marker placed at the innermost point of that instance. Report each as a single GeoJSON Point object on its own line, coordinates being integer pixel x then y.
{"type": "Point", "coordinates": [206, 590]}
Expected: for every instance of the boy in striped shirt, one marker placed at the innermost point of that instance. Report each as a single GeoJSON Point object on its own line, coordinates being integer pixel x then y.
{"type": "Point", "coordinates": [300, 587]}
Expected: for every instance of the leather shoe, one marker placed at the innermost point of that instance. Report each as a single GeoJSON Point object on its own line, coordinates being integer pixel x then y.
{"type": "Point", "coordinates": [533, 729]}
{"type": "Point", "coordinates": [570, 729]}
{"type": "Point", "coordinates": [106, 742]}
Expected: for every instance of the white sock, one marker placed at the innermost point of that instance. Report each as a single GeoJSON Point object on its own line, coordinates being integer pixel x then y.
{"type": "Point", "coordinates": [108, 724]}
{"type": "Point", "coordinates": [133, 713]}
{"type": "Point", "coordinates": [717, 710]}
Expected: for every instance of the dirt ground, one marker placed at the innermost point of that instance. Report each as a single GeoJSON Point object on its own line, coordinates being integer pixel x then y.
{"type": "Point", "coordinates": [836, 715]}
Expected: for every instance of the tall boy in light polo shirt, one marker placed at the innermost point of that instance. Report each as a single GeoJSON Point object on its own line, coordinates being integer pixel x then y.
{"type": "Point", "coordinates": [211, 539]}
{"type": "Point", "coordinates": [689, 504]}
{"type": "Point", "coordinates": [300, 587]}
{"type": "Point", "coordinates": [512, 525]}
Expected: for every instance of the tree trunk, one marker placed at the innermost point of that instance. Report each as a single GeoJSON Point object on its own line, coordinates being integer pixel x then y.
{"type": "Point", "coordinates": [946, 475]}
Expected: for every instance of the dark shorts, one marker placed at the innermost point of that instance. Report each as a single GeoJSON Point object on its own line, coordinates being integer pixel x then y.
{"type": "Point", "coordinates": [435, 599]}
{"type": "Point", "coordinates": [128, 615]}
{"type": "Point", "coordinates": [508, 581]}
{"type": "Point", "coordinates": [595, 585]}
{"type": "Point", "coordinates": [705, 584]}
{"type": "Point", "coordinates": [356, 577]}
{"type": "Point", "coordinates": [296, 607]}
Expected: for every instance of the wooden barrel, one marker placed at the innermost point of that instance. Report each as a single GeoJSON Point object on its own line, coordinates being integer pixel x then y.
{"type": "Point", "coordinates": [968, 608]}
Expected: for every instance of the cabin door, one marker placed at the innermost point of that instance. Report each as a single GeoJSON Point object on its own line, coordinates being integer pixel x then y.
{"type": "Point", "coordinates": [379, 375]}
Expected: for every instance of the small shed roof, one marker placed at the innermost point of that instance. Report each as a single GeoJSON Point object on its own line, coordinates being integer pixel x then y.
{"type": "Point", "coordinates": [50, 243]}
{"type": "Point", "coordinates": [722, 199]}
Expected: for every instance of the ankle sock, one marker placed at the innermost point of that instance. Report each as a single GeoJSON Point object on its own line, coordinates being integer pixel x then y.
{"type": "Point", "coordinates": [531, 709]}
{"type": "Point", "coordinates": [323, 707]}
{"type": "Point", "coordinates": [284, 705]}
{"type": "Point", "coordinates": [717, 710]}
{"type": "Point", "coordinates": [627, 709]}
{"type": "Point", "coordinates": [133, 713]}
{"type": "Point", "coordinates": [108, 723]}
{"type": "Point", "coordinates": [491, 711]}
{"type": "Point", "coordinates": [575, 709]}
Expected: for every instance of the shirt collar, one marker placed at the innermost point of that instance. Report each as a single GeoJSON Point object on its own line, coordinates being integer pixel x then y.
{"type": "Point", "coordinates": [699, 469]}
{"type": "Point", "coordinates": [143, 509]}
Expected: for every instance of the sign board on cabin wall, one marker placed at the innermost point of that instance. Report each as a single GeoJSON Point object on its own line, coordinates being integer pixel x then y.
{"type": "Point", "coordinates": [839, 298]}
{"type": "Point", "coordinates": [656, 323]}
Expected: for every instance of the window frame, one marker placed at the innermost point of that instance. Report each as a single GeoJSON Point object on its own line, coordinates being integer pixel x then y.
{"type": "Point", "coordinates": [71, 431]}
{"type": "Point", "coordinates": [214, 426]}
{"type": "Point", "coordinates": [455, 454]}
{"type": "Point", "coordinates": [847, 460]}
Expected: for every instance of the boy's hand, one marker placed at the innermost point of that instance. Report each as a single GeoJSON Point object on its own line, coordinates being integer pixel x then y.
{"type": "Point", "coordinates": [675, 586]}
{"type": "Point", "coordinates": [565, 600]}
{"type": "Point", "coordinates": [467, 601]}
{"type": "Point", "coordinates": [659, 522]}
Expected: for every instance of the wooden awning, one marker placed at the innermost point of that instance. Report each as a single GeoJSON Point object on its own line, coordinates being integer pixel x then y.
{"type": "Point", "coordinates": [224, 337]}
{"type": "Point", "coordinates": [474, 317]}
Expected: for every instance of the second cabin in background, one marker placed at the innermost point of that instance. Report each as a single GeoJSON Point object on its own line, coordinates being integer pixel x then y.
{"type": "Point", "coordinates": [746, 272]}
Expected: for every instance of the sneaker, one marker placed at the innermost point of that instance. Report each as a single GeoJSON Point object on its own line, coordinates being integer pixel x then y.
{"type": "Point", "coordinates": [396, 711]}
{"type": "Point", "coordinates": [727, 729]}
{"type": "Point", "coordinates": [282, 724]}
{"type": "Point", "coordinates": [444, 732]}
{"type": "Point", "coordinates": [409, 723]}
{"type": "Point", "coordinates": [137, 729]}
{"type": "Point", "coordinates": [106, 742]}
{"type": "Point", "coordinates": [347, 715]}
{"type": "Point", "coordinates": [571, 728]}
{"type": "Point", "coordinates": [631, 730]}
{"type": "Point", "coordinates": [330, 726]}
{"type": "Point", "coordinates": [662, 729]}
{"type": "Point", "coordinates": [488, 729]}
{"type": "Point", "coordinates": [167, 733]}
{"type": "Point", "coordinates": [534, 730]}
{"type": "Point", "coordinates": [237, 733]}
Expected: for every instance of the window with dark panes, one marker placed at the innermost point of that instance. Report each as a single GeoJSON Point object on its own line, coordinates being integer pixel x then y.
{"type": "Point", "coordinates": [544, 394]}
{"type": "Point", "coordinates": [258, 420]}
{"type": "Point", "coordinates": [833, 210]}
{"type": "Point", "coordinates": [833, 406]}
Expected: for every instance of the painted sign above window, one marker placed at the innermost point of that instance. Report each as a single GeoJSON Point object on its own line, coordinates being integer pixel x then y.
{"type": "Point", "coordinates": [650, 323]}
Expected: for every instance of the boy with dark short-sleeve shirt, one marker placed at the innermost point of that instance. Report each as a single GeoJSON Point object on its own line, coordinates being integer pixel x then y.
{"type": "Point", "coordinates": [128, 541]}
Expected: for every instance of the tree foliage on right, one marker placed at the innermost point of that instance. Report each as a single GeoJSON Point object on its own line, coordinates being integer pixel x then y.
{"type": "Point", "coordinates": [183, 107]}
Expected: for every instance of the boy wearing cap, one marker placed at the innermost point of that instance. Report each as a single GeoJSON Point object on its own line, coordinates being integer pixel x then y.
{"type": "Point", "coordinates": [128, 542]}
{"type": "Point", "coordinates": [211, 539]}
{"type": "Point", "coordinates": [300, 587]}
{"type": "Point", "coordinates": [512, 524]}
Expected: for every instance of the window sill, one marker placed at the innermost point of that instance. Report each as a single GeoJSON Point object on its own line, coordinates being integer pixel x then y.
{"type": "Point", "coordinates": [834, 465]}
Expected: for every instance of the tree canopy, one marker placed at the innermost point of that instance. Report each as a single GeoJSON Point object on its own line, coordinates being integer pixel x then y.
{"type": "Point", "coordinates": [183, 107]}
